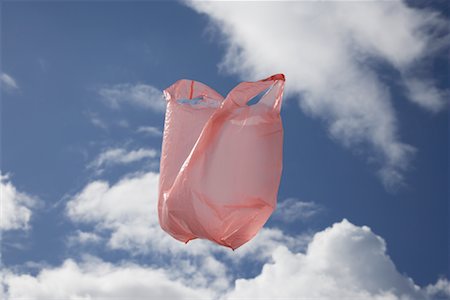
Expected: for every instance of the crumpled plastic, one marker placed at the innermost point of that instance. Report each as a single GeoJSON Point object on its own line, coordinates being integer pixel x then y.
{"type": "Point", "coordinates": [221, 160]}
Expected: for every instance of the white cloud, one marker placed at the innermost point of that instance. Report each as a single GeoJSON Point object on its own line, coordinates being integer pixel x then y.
{"type": "Point", "coordinates": [125, 216]}
{"type": "Point", "coordinates": [141, 95]}
{"type": "Point", "coordinates": [150, 130]}
{"type": "Point", "coordinates": [133, 225]}
{"type": "Point", "coordinates": [8, 83]}
{"type": "Point", "coordinates": [328, 56]}
{"type": "Point", "coordinates": [292, 209]}
{"type": "Point", "coordinates": [3, 294]}
{"type": "Point", "coordinates": [427, 95]}
{"type": "Point", "coordinates": [439, 290]}
{"type": "Point", "coordinates": [121, 156]}
{"type": "Point", "coordinates": [82, 237]}
{"type": "Point", "coordinates": [96, 279]}
{"type": "Point", "coordinates": [343, 261]}
{"type": "Point", "coordinates": [127, 211]}
{"type": "Point", "coordinates": [15, 206]}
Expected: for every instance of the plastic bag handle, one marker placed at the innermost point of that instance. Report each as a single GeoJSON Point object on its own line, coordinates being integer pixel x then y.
{"type": "Point", "coordinates": [190, 89]}
{"type": "Point", "coordinates": [279, 76]}
{"type": "Point", "coordinates": [247, 90]}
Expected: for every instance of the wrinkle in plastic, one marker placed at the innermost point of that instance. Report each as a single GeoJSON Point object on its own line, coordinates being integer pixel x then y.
{"type": "Point", "coordinates": [221, 160]}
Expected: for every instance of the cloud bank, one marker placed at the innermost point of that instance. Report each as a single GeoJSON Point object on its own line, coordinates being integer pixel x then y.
{"type": "Point", "coordinates": [344, 261]}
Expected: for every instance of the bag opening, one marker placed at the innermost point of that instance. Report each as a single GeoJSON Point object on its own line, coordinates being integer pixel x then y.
{"type": "Point", "coordinates": [199, 102]}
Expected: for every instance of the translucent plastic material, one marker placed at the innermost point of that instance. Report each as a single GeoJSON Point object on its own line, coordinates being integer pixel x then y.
{"type": "Point", "coordinates": [221, 160]}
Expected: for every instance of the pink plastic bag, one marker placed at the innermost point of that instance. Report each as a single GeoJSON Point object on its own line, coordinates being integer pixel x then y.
{"type": "Point", "coordinates": [221, 160]}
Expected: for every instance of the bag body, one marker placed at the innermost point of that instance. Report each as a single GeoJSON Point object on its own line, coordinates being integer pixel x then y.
{"type": "Point", "coordinates": [221, 160]}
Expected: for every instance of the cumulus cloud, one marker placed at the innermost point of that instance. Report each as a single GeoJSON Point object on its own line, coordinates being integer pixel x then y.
{"type": "Point", "coordinates": [96, 279]}
{"type": "Point", "coordinates": [132, 224]}
{"type": "Point", "coordinates": [140, 95]}
{"type": "Point", "coordinates": [121, 156]}
{"type": "Point", "coordinates": [439, 290]}
{"type": "Point", "coordinates": [15, 206]}
{"type": "Point", "coordinates": [343, 261]}
{"type": "Point", "coordinates": [330, 59]}
{"type": "Point", "coordinates": [124, 215]}
{"type": "Point", "coordinates": [292, 209]}
{"type": "Point", "coordinates": [125, 211]}
{"type": "Point", "coordinates": [8, 83]}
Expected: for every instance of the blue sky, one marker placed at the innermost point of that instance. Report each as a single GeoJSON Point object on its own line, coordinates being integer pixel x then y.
{"type": "Point", "coordinates": [365, 118]}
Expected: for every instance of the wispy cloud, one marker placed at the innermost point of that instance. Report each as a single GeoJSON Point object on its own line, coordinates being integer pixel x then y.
{"type": "Point", "coordinates": [121, 156]}
{"type": "Point", "coordinates": [150, 130]}
{"type": "Point", "coordinates": [331, 63]}
{"type": "Point", "coordinates": [123, 123]}
{"type": "Point", "coordinates": [104, 121]}
{"type": "Point", "coordinates": [96, 120]}
{"type": "Point", "coordinates": [140, 95]}
{"type": "Point", "coordinates": [43, 64]}
{"type": "Point", "coordinates": [425, 94]}
{"type": "Point", "coordinates": [292, 209]}
{"type": "Point", "coordinates": [8, 83]}
{"type": "Point", "coordinates": [82, 237]}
